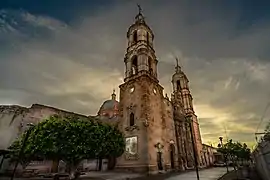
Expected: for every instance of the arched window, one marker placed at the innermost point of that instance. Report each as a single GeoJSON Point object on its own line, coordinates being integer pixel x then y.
{"type": "Point", "coordinates": [135, 39]}
{"type": "Point", "coordinates": [150, 65]}
{"type": "Point", "coordinates": [134, 65]}
{"type": "Point", "coordinates": [131, 119]}
{"type": "Point", "coordinates": [178, 84]}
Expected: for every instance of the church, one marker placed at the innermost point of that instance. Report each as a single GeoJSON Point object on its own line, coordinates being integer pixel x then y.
{"type": "Point", "coordinates": [156, 128]}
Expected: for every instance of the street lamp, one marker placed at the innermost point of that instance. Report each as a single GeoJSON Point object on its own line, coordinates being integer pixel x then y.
{"type": "Point", "coordinates": [189, 121]}
{"type": "Point", "coordinates": [31, 125]}
{"type": "Point", "coordinates": [159, 148]}
{"type": "Point", "coordinates": [226, 156]}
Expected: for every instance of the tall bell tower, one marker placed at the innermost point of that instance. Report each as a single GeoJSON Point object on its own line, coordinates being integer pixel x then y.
{"type": "Point", "coordinates": [142, 103]}
{"type": "Point", "coordinates": [181, 90]}
{"type": "Point", "coordinates": [140, 57]}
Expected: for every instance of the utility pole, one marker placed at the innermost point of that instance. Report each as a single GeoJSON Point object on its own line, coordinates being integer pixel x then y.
{"type": "Point", "coordinates": [193, 146]}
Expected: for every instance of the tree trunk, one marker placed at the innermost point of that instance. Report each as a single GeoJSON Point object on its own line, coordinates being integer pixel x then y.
{"type": "Point", "coordinates": [55, 165]}
{"type": "Point", "coordinates": [72, 171]}
{"type": "Point", "coordinates": [100, 164]}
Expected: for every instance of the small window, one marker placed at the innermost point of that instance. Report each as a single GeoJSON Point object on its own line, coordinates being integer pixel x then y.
{"type": "Point", "coordinates": [135, 39]}
{"type": "Point", "coordinates": [147, 37]}
{"type": "Point", "coordinates": [131, 119]}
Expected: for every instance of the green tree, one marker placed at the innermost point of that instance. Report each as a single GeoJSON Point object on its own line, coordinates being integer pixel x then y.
{"type": "Point", "coordinates": [235, 151]}
{"type": "Point", "coordinates": [14, 151]}
{"type": "Point", "coordinates": [73, 139]}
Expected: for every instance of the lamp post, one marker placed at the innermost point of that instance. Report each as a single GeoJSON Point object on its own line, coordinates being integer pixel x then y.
{"type": "Point", "coordinates": [189, 121]}
{"type": "Point", "coordinates": [226, 156]}
{"type": "Point", "coordinates": [22, 148]}
{"type": "Point", "coordinates": [159, 148]}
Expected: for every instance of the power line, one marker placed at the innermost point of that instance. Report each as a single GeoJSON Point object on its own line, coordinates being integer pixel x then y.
{"type": "Point", "coordinates": [264, 112]}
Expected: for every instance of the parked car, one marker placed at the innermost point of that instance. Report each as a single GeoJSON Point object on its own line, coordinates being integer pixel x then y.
{"type": "Point", "coordinates": [219, 164]}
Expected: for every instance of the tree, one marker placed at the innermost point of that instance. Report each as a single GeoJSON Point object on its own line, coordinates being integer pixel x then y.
{"type": "Point", "coordinates": [235, 151]}
{"type": "Point", "coordinates": [73, 139]}
{"type": "Point", "coordinates": [14, 151]}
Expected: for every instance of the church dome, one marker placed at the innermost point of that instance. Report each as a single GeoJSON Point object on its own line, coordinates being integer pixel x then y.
{"type": "Point", "coordinates": [110, 108]}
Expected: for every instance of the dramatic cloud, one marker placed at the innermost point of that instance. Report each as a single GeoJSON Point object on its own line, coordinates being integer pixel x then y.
{"type": "Point", "coordinates": [75, 66]}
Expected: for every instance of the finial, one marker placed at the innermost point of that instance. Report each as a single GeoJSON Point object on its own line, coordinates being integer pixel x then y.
{"type": "Point", "coordinates": [139, 17]}
{"type": "Point", "coordinates": [113, 95]}
{"type": "Point", "coordinates": [177, 68]}
{"type": "Point", "coordinates": [176, 58]}
{"type": "Point", "coordinates": [140, 9]}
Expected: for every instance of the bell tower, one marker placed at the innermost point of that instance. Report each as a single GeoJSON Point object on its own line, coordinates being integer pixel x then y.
{"type": "Point", "coordinates": [140, 56]}
{"type": "Point", "coordinates": [183, 96]}
{"type": "Point", "coordinates": [142, 104]}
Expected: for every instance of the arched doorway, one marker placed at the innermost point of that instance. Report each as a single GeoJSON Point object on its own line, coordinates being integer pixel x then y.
{"type": "Point", "coordinates": [172, 151]}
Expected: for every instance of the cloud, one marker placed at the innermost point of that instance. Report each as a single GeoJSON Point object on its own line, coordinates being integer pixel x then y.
{"type": "Point", "coordinates": [75, 66]}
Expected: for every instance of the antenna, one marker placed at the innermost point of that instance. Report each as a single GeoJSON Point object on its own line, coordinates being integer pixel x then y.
{"type": "Point", "coordinates": [225, 130]}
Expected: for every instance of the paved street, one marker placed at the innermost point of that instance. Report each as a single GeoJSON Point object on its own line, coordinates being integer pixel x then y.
{"type": "Point", "coordinates": [206, 174]}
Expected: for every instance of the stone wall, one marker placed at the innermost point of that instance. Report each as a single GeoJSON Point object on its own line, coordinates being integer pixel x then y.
{"type": "Point", "coordinates": [208, 156]}
{"type": "Point", "coordinates": [14, 119]}
{"type": "Point", "coordinates": [153, 124]}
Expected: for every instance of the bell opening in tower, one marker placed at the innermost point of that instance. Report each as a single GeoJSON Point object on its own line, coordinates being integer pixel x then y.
{"type": "Point", "coordinates": [178, 84]}
{"type": "Point", "coordinates": [134, 65]}
{"type": "Point", "coordinates": [135, 39]}
{"type": "Point", "coordinates": [150, 65]}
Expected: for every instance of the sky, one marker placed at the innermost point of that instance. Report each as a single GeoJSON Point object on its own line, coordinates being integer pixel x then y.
{"type": "Point", "coordinates": [70, 54]}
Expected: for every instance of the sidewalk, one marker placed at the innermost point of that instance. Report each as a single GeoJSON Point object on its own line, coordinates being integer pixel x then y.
{"type": "Point", "coordinates": [205, 174]}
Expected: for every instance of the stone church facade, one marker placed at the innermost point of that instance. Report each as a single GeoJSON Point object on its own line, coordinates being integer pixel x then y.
{"type": "Point", "coordinates": [156, 127]}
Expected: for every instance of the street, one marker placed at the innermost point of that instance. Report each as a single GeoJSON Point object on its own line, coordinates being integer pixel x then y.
{"type": "Point", "coordinates": [206, 174]}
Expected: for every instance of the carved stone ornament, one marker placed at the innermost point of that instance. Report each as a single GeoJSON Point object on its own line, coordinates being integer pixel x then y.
{"type": "Point", "coordinates": [132, 128]}
{"type": "Point", "coordinates": [146, 123]}
{"type": "Point", "coordinates": [131, 156]}
{"type": "Point", "coordinates": [131, 107]}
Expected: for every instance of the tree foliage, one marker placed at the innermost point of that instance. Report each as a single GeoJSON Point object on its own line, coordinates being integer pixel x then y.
{"type": "Point", "coordinates": [72, 140]}
{"type": "Point", "coordinates": [14, 151]}
{"type": "Point", "coordinates": [235, 151]}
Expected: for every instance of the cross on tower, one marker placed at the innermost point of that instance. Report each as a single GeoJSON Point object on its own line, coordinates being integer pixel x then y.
{"type": "Point", "coordinates": [177, 63]}
{"type": "Point", "coordinates": [140, 9]}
